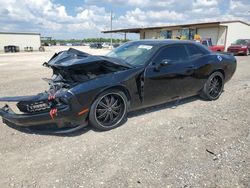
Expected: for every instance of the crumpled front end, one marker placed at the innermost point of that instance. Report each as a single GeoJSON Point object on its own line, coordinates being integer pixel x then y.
{"type": "Point", "coordinates": [44, 110]}
{"type": "Point", "coordinates": [59, 107]}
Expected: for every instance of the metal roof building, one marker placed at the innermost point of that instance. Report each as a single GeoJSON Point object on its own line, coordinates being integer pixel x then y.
{"type": "Point", "coordinates": [222, 33]}
{"type": "Point", "coordinates": [22, 40]}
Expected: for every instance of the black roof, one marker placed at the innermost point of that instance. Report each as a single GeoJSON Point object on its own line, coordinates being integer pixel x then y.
{"type": "Point", "coordinates": [163, 42]}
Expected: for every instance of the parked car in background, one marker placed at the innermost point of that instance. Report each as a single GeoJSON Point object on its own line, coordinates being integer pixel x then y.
{"type": "Point", "coordinates": [214, 48]}
{"type": "Point", "coordinates": [11, 48]}
{"type": "Point", "coordinates": [77, 44]}
{"type": "Point", "coordinates": [28, 49]}
{"type": "Point", "coordinates": [96, 45]}
{"type": "Point", "coordinates": [241, 46]}
{"type": "Point", "coordinates": [101, 90]}
{"type": "Point", "coordinates": [105, 45]}
{"type": "Point", "coordinates": [115, 45]}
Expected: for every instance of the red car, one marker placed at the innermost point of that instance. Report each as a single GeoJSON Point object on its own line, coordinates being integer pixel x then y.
{"type": "Point", "coordinates": [214, 48]}
{"type": "Point", "coordinates": [241, 46]}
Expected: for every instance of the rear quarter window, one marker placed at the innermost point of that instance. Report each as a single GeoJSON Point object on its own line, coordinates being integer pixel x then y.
{"type": "Point", "coordinates": [196, 51]}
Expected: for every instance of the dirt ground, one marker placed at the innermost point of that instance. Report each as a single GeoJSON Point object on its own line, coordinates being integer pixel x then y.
{"type": "Point", "coordinates": [197, 144]}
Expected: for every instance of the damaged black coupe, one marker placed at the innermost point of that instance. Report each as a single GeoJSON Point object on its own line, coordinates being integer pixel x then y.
{"type": "Point", "coordinates": [100, 90]}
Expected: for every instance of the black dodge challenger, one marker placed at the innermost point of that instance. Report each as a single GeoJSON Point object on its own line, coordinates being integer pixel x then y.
{"type": "Point", "coordinates": [100, 90]}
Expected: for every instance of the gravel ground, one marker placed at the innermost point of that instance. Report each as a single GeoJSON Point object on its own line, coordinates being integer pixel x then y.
{"type": "Point", "coordinates": [197, 144]}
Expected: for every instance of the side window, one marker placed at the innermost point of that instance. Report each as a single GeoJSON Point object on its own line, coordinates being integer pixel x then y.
{"type": "Point", "coordinates": [176, 54]}
{"type": "Point", "coordinates": [194, 51]}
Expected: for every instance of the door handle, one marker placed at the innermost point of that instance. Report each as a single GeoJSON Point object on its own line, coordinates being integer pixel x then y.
{"type": "Point", "coordinates": [191, 67]}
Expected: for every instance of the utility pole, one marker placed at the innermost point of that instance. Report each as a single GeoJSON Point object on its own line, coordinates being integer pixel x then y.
{"type": "Point", "coordinates": [111, 27]}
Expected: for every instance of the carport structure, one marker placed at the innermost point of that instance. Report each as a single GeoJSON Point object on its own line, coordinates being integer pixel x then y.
{"type": "Point", "coordinates": [222, 33]}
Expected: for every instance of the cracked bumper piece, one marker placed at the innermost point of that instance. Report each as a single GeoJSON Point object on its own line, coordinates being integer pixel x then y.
{"type": "Point", "coordinates": [65, 118]}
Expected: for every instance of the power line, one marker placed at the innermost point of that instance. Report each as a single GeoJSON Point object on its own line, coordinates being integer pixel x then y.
{"type": "Point", "coordinates": [111, 27]}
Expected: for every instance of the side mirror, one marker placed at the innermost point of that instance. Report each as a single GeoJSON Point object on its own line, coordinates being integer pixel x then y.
{"type": "Point", "coordinates": [45, 64]}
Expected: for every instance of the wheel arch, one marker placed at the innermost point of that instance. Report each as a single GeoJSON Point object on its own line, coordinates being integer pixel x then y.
{"type": "Point", "coordinates": [118, 87]}
{"type": "Point", "coordinates": [123, 89]}
{"type": "Point", "coordinates": [219, 70]}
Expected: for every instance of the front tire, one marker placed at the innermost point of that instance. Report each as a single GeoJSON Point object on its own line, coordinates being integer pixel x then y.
{"type": "Point", "coordinates": [109, 110]}
{"type": "Point", "coordinates": [213, 87]}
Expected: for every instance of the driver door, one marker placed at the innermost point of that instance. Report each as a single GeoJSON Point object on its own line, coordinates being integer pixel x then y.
{"type": "Point", "coordinates": [169, 76]}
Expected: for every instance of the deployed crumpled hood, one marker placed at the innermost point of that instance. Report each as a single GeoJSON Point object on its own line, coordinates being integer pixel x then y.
{"type": "Point", "coordinates": [68, 59]}
{"type": "Point", "coordinates": [73, 57]}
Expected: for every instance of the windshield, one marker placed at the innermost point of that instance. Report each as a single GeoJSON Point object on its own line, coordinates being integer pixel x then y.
{"type": "Point", "coordinates": [133, 53]}
{"type": "Point", "coordinates": [241, 42]}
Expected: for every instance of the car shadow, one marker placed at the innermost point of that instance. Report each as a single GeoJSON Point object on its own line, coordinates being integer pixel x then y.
{"type": "Point", "coordinates": [135, 113]}
{"type": "Point", "coordinates": [50, 132]}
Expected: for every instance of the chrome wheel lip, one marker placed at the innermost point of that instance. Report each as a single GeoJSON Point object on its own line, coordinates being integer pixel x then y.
{"type": "Point", "coordinates": [123, 113]}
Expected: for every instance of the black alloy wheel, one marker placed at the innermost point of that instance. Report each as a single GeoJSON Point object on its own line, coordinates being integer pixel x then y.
{"type": "Point", "coordinates": [109, 110]}
{"type": "Point", "coordinates": [213, 86]}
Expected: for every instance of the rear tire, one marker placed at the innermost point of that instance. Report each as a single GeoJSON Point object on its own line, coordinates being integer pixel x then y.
{"type": "Point", "coordinates": [248, 52]}
{"type": "Point", "coordinates": [109, 110]}
{"type": "Point", "coordinates": [213, 87]}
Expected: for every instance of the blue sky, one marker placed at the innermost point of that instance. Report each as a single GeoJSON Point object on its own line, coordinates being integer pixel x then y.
{"type": "Point", "coordinates": [64, 19]}
{"type": "Point", "coordinates": [71, 6]}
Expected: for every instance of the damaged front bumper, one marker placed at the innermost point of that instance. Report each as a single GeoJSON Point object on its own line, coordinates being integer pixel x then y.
{"type": "Point", "coordinates": [67, 115]}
